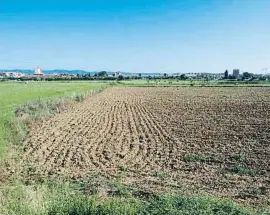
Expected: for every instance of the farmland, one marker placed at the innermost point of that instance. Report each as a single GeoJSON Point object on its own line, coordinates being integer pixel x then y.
{"type": "Point", "coordinates": [172, 147]}
{"type": "Point", "coordinates": [13, 94]}
{"type": "Point", "coordinates": [215, 140]}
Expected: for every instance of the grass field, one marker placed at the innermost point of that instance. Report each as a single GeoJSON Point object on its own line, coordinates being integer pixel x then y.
{"type": "Point", "coordinates": [73, 164]}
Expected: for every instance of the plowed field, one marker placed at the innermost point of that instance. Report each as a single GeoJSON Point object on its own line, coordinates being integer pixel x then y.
{"type": "Point", "coordinates": [213, 139]}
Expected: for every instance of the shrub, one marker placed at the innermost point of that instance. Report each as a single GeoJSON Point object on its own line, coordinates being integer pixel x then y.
{"type": "Point", "coordinates": [239, 157]}
{"type": "Point", "coordinates": [242, 170]}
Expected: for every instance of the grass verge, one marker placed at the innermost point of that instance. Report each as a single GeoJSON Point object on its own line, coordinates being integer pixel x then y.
{"type": "Point", "coordinates": [69, 198]}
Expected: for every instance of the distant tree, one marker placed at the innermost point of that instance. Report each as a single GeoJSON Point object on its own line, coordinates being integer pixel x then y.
{"type": "Point", "coordinates": [102, 73]}
{"type": "Point", "coordinates": [247, 75]}
{"type": "Point", "coordinates": [231, 77]}
{"type": "Point", "coordinates": [262, 78]}
{"type": "Point", "coordinates": [183, 77]}
{"type": "Point", "coordinates": [226, 74]}
{"type": "Point", "coordinates": [140, 74]}
{"type": "Point", "coordinates": [120, 78]}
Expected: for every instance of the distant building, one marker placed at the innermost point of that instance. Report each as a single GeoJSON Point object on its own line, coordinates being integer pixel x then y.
{"type": "Point", "coordinates": [11, 75]}
{"type": "Point", "coordinates": [38, 71]}
{"type": "Point", "coordinates": [236, 73]}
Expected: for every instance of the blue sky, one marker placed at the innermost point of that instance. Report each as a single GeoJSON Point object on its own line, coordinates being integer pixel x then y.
{"type": "Point", "coordinates": [136, 35]}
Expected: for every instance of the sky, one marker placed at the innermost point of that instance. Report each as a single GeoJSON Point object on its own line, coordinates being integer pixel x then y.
{"type": "Point", "coordinates": [136, 35]}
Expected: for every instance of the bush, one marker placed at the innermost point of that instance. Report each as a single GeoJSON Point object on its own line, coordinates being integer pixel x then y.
{"type": "Point", "coordinates": [242, 170]}
{"type": "Point", "coordinates": [120, 78]}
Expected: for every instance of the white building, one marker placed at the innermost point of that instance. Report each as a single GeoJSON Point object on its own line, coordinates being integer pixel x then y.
{"type": "Point", "coordinates": [38, 71]}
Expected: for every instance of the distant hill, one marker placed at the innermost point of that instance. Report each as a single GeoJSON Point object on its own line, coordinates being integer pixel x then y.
{"type": "Point", "coordinates": [26, 71]}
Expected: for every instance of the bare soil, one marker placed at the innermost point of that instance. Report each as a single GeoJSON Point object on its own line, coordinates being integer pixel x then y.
{"type": "Point", "coordinates": [215, 140]}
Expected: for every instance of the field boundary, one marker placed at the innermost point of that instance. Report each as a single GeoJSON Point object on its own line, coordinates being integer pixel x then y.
{"type": "Point", "coordinates": [195, 86]}
{"type": "Point", "coordinates": [35, 108]}
{"type": "Point", "coordinates": [99, 195]}
{"type": "Point", "coordinates": [29, 113]}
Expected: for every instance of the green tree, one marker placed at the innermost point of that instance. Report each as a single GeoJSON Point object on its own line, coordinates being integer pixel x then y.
{"type": "Point", "coordinates": [247, 75]}
{"type": "Point", "coordinates": [226, 74]}
{"type": "Point", "coordinates": [183, 77]}
{"type": "Point", "coordinates": [102, 73]}
{"type": "Point", "coordinates": [120, 78]}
